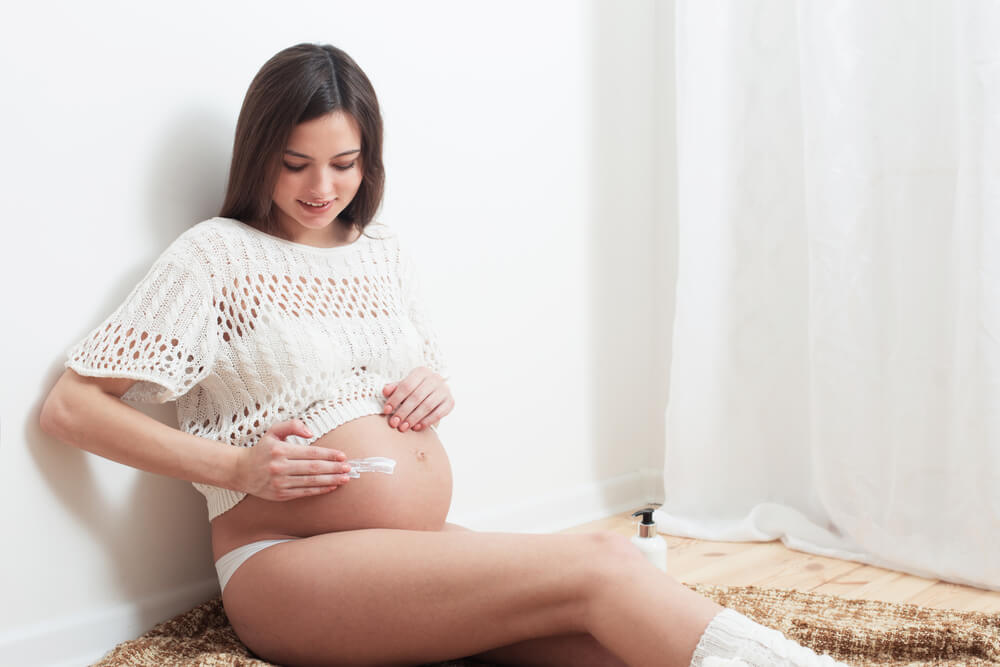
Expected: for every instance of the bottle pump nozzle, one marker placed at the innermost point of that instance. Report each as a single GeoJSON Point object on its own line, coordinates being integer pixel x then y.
{"type": "Point", "coordinates": [647, 527]}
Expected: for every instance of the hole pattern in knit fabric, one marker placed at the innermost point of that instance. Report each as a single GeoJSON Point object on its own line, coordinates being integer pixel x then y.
{"type": "Point", "coordinates": [303, 297]}
{"type": "Point", "coordinates": [116, 347]}
{"type": "Point", "coordinates": [246, 426]}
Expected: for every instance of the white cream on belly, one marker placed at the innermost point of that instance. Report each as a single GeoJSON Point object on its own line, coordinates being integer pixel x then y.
{"type": "Point", "coordinates": [371, 464]}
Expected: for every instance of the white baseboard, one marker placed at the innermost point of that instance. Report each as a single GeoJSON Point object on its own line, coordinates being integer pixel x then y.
{"type": "Point", "coordinates": [561, 509]}
{"type": "Point", "coordinates": [82, 639]}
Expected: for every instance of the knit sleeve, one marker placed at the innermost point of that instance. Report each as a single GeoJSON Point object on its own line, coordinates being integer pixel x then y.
{"type": "Point", "coordinates": [412, 301]}
{"type": "Point", "coordinates": [163, 335]}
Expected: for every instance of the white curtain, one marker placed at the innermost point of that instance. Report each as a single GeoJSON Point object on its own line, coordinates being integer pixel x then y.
{"type": "Point", "coordinates": [835, 379]}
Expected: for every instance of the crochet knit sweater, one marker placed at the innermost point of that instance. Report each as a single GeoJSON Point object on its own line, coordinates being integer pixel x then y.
{"type": "Point", "coordinates": [244, 329]}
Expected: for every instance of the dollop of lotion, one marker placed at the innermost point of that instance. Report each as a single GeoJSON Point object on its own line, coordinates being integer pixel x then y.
{"type": "Point", "coordinates": [371, 464]}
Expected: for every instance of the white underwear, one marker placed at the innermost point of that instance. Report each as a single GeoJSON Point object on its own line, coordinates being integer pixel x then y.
{"type": "Point", "coordinates": [226, 566]}
{"type": "Point", "coordinates": [229, 563]}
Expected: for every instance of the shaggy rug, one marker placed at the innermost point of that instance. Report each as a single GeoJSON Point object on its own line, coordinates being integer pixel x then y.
{"type": "Point", "coordinates": [858, 632]}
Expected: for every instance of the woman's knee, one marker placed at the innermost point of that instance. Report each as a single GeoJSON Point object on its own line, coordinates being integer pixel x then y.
{"type": "Point", "coordinates": [612, 567]}
{"type": "Point", "coordinates": [611, 557]}
{"type": "Point", "coordinates": [613, 561]}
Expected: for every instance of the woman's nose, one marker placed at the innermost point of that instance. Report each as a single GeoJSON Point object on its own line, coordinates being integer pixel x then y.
{"type": "Point", "coordinates": [324, 181]}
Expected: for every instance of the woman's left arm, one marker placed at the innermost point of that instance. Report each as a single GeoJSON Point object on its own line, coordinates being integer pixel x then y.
{"type": "Point", "coordinates": [417, 402]}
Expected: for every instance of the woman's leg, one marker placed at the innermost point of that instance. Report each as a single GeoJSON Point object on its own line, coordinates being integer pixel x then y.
{"type": "Point", "coordinates": [409, 597]}
{"type": "Point", "coordinates": [580, 650]}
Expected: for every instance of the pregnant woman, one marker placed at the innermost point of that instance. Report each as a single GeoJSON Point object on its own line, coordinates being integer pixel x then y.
{"type": "Point", "coordinates": [308, 385]}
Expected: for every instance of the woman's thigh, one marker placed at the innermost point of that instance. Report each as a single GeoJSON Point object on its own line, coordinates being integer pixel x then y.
{"type": "Point", "coordinates": [382, 596]}
{"type": "Point", "coordinates": [580, 650]}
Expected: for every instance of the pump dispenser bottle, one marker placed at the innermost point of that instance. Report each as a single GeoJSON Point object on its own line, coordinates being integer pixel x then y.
{"type": "Point", "coordinates": [653, 546]}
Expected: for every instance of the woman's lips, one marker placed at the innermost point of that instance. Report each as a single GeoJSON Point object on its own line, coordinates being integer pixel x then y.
{"type": "Point", "coordinates": [315, 207]}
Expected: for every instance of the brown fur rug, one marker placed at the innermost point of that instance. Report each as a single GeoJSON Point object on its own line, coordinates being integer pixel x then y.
{"type": "Point", "coordinates": [858, 632]}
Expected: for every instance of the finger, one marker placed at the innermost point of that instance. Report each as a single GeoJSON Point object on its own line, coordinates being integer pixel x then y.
{"type": "Point", "coordinates": [435, 416]}
{"type": "Point", "coordinates": [400, 390]}
{"type": "Point", "coordinates": [405, 423]}
{"type": "Point", "coordinates": [409, 404]}
{"type": "Point", "coordinates": [282, 430]}
{"type": "Point", "coordinates": [310, 452]}
{"type": "Point", "coordinates": [425, 408]}
{"type": "Point", "coordinates": [304, 468]}
{"type": "Point", "coordinates": [314, 481]}
{"type": "Point", "coordinates": [429, 394]}
{"type": "Point", "coordinates": [399, 393]}
{"type": "Point", "coordinates": [304, 492]}
{"type": "Point", "coordinates": [394, 387]}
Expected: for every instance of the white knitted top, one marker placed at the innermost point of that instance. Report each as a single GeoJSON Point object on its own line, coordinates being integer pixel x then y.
{"type": "Point", "coordinates": [245, 329]}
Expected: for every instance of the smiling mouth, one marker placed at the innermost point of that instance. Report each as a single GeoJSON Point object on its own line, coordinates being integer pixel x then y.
{"type": "Point", "coordinates": [319, 206]}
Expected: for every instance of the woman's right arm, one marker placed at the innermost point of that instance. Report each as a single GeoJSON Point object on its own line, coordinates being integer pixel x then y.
{"type": "Point", "coordinates": [88, 412]}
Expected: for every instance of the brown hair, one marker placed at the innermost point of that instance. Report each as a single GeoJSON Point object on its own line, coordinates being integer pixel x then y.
{"type": "Point", "coordinates": [296, 85]}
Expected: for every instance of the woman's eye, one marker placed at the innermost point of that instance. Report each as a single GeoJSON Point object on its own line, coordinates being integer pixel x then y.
{"type": "Point", "coordinates": [345, 167]}
{"type": "Point", "coordinates": [294, 167]}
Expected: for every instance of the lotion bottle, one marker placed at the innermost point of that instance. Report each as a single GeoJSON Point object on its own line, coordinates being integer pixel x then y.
{"type": "Point", "coordinates": [653, 546]}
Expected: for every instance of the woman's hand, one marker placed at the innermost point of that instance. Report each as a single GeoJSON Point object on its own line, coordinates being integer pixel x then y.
{"type": "Point", "coordinates": [277, 470]}
{"type": "Point", "coordinates": [420, 401]}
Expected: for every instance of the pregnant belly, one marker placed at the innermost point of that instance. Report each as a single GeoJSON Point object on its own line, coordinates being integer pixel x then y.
{"type": "Point", "coordinates": [415, 496]}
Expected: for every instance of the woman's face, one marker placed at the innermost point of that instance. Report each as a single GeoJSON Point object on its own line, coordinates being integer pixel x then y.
{"type": "Point", "coordinates": [319, 176]}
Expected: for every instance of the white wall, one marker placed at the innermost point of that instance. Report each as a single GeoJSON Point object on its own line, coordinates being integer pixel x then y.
{"type": "Point", "coordinates": [521, 150]}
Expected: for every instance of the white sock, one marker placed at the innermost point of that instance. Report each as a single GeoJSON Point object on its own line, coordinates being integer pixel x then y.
{"type": "Point", "coordinates": [733, 640]}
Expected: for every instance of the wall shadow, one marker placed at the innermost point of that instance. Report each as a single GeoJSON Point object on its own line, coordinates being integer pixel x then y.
{"type": "Point", "coordinates": [156, 535]}
{"type": "Point", "coordinates": [188, 179]}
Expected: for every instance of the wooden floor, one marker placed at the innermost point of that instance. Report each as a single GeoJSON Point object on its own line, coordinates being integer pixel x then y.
{"type": "Point", "coordinates": [772, 565]}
